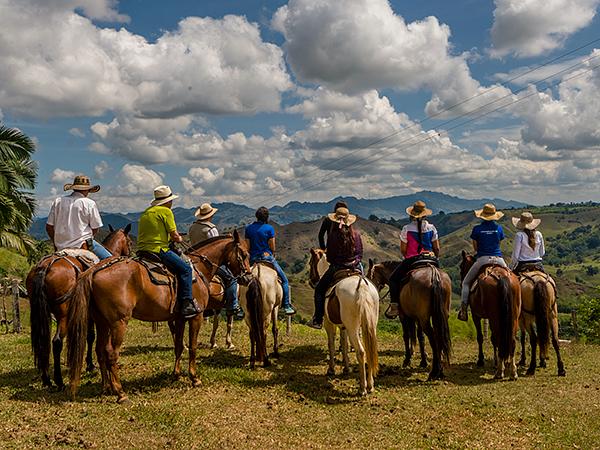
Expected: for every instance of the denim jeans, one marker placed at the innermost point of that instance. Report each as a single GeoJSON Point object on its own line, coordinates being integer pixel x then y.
{"type": "Point", "coordinates": [231, 288]}
{"type": "Point", "coordinates": [474, 271]}
{"type": "Point", "coordinates": [99, 250]}
{"type": "Point", "coordinates": [284, 281]}
{"type": "Point", "coordinates": [320, 291]}
{"type": "Point", "coordinates": [182, 271]}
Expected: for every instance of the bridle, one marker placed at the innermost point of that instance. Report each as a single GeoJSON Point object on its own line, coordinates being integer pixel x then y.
{"type": "Point", "coordinates": [242, 278]}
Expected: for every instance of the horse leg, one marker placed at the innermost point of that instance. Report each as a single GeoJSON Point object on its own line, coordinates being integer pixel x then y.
{"type": "Point", "coordinates": [177, 330]}
{"type": "Point", "coordinates": [266, 361]}
{"type": "Point", "coordinates": [252, 351]}
{"type": "Point", "coordinates": [422, 348]}
{"type": "Point", "coordinates": [57, 345]}
{"type": "Point", "coordinates": [117, 333]}
{"type": "Point", "coordinates": [330, 329]}
{"type": "Point", "coordinates": [436, 372]}
{"type": "Point", "coordinates": [213, 336]}
{"type": "Point", "coordinates": [559, 362]}
{"type": "Point", "coordinates": [275, 330]}
{"type": "Point", "coordinates": [407, 325]}
{"type": "Point", "coordinates": [91, 335]}
{"type": "Point", "coordinates": [480, 357]}
{"type": "Point", "coordinates": [194, 328]}
{"type": "Point", "coordinates": [228, 344]}
{"type": "Point", "coordinates": [533, 343]}
{"type": "Point", "coordinates": [102, 356]}
{"type": "Point", "coordinates": [345, 350]}
{"type": "Point", "coordinates": [522, 360]}
{"type": "Point", "coordinates": [288, 326]}
{"type": "Point", "coordinates": [360, 355]}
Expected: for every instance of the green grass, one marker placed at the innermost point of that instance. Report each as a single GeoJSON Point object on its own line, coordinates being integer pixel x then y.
{"type": "Point", "coordinates": [292, 404]}
{"type": "Point", "coordinates": [11, 263]}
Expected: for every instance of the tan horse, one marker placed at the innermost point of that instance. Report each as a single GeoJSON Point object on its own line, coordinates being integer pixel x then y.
{"type": "Point", "coordinates": [261, 300]}
{"type": "Point", "coordinates": [498, 299]}
{"type": "Point", "coordinates": [539, 307]}
{"type": "Point", "coordinates": [121, 289]}
{"type": "Point", "coordinates": [47, 285]}
{"type": "Point", "coordinates": [426, 300]}
{"type": "Point", "coordinates": [353, 305]}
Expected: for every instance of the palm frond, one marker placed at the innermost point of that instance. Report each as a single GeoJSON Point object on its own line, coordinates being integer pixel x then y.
{"type": "Point", "coordinates": [14, 144]}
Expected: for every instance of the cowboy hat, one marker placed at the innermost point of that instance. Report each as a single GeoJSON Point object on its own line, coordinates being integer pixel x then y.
{"type": "Point", "coordinates": [342, 216]}
{"type": "Point", "coordinates": [205, 211]}
{"type": "Point", "coordinates": [526, 221]}
{"type": "Point", "coordinates": [162, 195]}
{"type": "Point", "coordinates": [489, 212]}
{"type": "Point", "coordinates": [81, 183]}
{"type": "Point", "coordinates": [418, 210]}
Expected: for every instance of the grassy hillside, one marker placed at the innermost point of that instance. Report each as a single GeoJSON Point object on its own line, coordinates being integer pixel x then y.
{"type": "Point", "coordinates": [12, 264]}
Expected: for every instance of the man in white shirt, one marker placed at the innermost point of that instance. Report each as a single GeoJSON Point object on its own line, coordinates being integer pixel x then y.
{"type": "Point", "coordinates": [74, 219]}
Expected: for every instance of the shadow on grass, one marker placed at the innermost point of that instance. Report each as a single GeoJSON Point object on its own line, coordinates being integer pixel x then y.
{"type": "Point", "coordinates": [145, 349]}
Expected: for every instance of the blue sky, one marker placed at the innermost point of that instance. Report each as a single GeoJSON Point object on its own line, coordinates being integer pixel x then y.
{"type": "Point", "coordinates": [272, 101]}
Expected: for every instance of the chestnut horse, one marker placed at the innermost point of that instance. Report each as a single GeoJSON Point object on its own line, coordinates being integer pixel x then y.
{"type": "Point", "coordinates": [380, 275]}
{"type": "Point", "coordinates": [498, 299]}
{"type": "Point", "coordinates": [120, 289]}
{"type": "Point", "coordinates": [425, 298]}
{"type": "Point", "coordinates": [47, 285]}
{"type": "Point", "coordinates": [538, 293]}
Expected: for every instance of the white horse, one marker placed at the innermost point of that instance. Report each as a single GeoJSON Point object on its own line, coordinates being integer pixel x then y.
{"type": "Point", "coordinates": [261, 300]}
{"type": "Point", "coordinates": [353, 306]}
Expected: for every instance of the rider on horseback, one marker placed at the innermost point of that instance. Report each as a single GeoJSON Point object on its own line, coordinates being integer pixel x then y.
{"type": "Point", "coordinates": [486, 239]}
{"type": "Point", "coordinates": [156, 229]}
{"type": "Point", "coordinates": [74, 219]}
{"type": "Point", "coordinates": [529, 244]}
{"type": "Point", "coordinates": [203, 229]}
{"type": "Point", "coordinates": [344, 251]}
{"type": "Point", "coordinates": [261, 240]}
{"type": "Point", "coordinates": [418, 241]}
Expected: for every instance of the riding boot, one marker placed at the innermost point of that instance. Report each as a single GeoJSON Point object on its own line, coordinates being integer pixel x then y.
{"type": "Point", "coordinates": [189, 308]}
{"type": "Point", "coordinates": [393, 311]}
{"type": "Point", "coordinates": [463, 314]}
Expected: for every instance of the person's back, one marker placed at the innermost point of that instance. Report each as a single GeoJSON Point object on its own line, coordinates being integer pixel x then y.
{"type": "Point", "coordinates": [154, 228]}
{"type": "Point", "coordinates": [259, 233]}
{"type": "Point", "coordinates": [410, 236]}
{"type": "Point", "coordinates": [203, 229]}
{"type": "Point", "coordinates": [529, 247]}
{"type": "Point", "coordinates": [488, 235]}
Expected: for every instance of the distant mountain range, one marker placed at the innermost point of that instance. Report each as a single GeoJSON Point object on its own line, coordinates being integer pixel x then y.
{"type": "Point", "coordinates": [233, 215]}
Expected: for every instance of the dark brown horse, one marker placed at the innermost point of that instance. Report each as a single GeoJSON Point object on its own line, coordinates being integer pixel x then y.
{"type": "Point", "coordinates": [497, 298]}
{"type": "Point", "coordinates": [425, 299]}
{"type": "Point", "coordinates": [120, 289]}
{"type": "Point", "coordinates": [380, 275]}
{"type": "Point", "coordinates": [47, 285]}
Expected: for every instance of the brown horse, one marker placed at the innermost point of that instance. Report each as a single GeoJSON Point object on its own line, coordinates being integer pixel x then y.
{"type": "Point", "coordinates": [47, 285]}
{"type": "Point", "coordinates": [538, 293]}
{"type": "Point", "coordinates": [121, 289]}
{"type": "Point", "coordinates": [380, 275]}
{"type": "Point", "coordinates": [216, 303]}
{"type": "Point", "coordinates": [497, 298]}
{"type": "Point", "coordinates": [424, 299]}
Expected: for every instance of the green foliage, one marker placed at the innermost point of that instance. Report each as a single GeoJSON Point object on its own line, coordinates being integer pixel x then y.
{"type": "Point", "coordinates": [589, 318]}
{"type": "Point", "coordinates": [572, 247]}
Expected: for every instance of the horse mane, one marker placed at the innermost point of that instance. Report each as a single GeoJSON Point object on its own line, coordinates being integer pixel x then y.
{"type": "Point", "coordinates": [208, 241]}
{"type": "Point", "coordinates": [390, 264]}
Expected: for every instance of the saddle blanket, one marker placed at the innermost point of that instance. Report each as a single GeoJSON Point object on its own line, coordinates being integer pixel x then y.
{"type": "Point", "coordinates": [79, 253]}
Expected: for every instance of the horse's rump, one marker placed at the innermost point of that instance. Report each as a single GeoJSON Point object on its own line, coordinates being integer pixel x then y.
{"type": "Point", "coordinates": [333, 310]}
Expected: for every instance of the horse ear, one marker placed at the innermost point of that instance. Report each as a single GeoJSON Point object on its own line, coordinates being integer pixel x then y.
{"type": "Point", "coordinates": [371, 263]}
{"type": "Point", "coordinates": [127, 228]}
{"type": "Point", "coordinates": [313, 251]}
{"type": "Point", "coordinates": [110, 228]}
{"type": "Point", "coordinates": [236, 236]}
{"type": "Point", "coordinates": [464, 255]}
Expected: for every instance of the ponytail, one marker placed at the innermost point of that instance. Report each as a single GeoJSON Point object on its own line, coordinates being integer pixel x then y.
{"type": "Point", "coordinates": [530, 237]}
{"type": "Point", "coordinates": [420, 233]}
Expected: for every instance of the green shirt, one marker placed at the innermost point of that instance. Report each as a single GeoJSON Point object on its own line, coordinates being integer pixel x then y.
{"type": "Point", "coordinates": [154, 229]}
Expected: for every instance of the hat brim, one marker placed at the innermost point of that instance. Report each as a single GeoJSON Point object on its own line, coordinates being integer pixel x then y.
{"type": "Point", "coordinates": [201, 216]}
{"type": "Point", "coordinates": [81, 187]}
{"type": "Point", "coordinates": [349, 220]}
{"type": "Point", "coordinates": [162, 201]}
{"type": "Point", "coordinates": [497, 216]}
{"type": "Point", "coordinates": [424, 213]}
{"type": "Point", "coordinates": [522, 225]}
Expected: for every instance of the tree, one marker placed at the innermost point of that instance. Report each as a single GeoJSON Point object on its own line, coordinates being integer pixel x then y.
{"type": "Point", "coordinates": [18, 174]}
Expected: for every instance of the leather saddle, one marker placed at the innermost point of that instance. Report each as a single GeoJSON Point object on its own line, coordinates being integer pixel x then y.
{"type": "Point", "coordinates": [333, 303]}
{"type": "Point", "coordinates": [425, 261]}
{"type": "Point", "coordinates": [485, 272]}
{"type": "Point", "coordinates": [85, 257]}
{"type": "Point", "coordinates": [157, 271]}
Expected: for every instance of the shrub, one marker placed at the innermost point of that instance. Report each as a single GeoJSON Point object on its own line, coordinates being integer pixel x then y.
{"type": "Point", "coordinates": [589, 318]}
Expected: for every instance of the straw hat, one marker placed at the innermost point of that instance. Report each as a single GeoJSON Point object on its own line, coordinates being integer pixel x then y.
{"type": "Point", "coordinates": [81, 183]}
{"type": "Point", "coordinates": [342, 216]}
{"type": "Point", "coordinates": [162, 195]}
{"type": "Point", "coordinates": [205, 211]}
{"type": "Point", "coordinates": [418, 210]}
{"type": "Point", "coordinates": [526, 221]}
{"type": "Point", "coordinates": [489, 212]}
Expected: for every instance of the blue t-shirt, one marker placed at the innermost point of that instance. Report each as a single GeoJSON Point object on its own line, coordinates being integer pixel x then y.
{"type": "Point", "coordinates": [488, 235]}
{"type": "Point", "coordinates": [259, 233]}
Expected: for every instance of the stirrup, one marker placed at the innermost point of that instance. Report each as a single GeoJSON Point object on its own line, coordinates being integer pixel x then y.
{"type": "Point", "coordinates": [463, 314]}
{"type": "Point", "coordinates": [392, 311]}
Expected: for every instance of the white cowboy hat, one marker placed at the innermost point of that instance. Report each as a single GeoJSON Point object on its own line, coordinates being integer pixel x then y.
{"type": "Point", "coordinates": [489, 212]}
{"type": "Point", "coordinates": [343, 216]}
{"type": "Point", "coordinates": [162, 195]}
{"type": "Point", "coordinates": [205, 211]}
{"type": "Point", "coordinates": [526, 221]}
{"type": "Point", "coordinates": [418, 210]}
{"type": "Point", "coordinates": [81, 183]}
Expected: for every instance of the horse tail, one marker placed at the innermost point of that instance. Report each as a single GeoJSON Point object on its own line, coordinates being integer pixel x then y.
{"type": "Point", "coordinates": [441, 330]}
{"type": "Point", "coordinates": [79, 299]}
{"type": "Point", "coordinates": [542, 312]}
{"type": "Point", "coordinates": [506, 344]}
{"type": "Point", "coordinates": [254, 303]}
{"type": "Point", "coordinates": [40, 322]}
{"type": "Point", "coordinates": [368, 321]}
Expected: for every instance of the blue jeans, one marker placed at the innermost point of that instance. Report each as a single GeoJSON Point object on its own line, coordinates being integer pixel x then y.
{"type": "Point", "coordinates": [182, 271]}
{"type": "Point", "coordinates": [100, 251]}
{"type": "Point", "coordinates": [231, 286]}
{"type": "Point", "coordinates": [285, 284]}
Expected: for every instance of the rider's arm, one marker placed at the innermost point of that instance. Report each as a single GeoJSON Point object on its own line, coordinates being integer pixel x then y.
{"type": "Point", "coordinates": [322, 232]}
{"type": "Point", "coordinates": [272, 244]}
{"type": "Point", "coordinates": [50, 231]}
{"type": "Point", "coordinates": [514, 259]}
{"type": "Point", "coordinates": [94, 231]}
{"type": "Point", "coordinates": [542, 246]}
{"type": "Point", "coordinates": [474, 242]}
{"type": "Point", "coordinates": [436, 247]}
{"type": "Point", "coordinates": [175, 236]}
{"type": "Point", "coordinates": [403, 247]}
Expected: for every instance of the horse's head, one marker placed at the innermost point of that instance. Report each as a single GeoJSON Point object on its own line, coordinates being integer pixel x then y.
{"type": "Point", "coordinates": [375, 273]}
{"type": "Point", "coordinates": [118, 241]}
{"type": "Point", "coordinates": [465, 264]}
{"type": "Point", "coordinates": [237, 258]}
{"type": "Point", "coordinates": [316, 255]}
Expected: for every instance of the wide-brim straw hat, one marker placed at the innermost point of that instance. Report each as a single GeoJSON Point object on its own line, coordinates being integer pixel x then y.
{"type": "Point", "coordinates": [205, 211]}
{"type": "Point", "coordinates": [418, 210]}
{"type": "Point", "coordinates": [488, 212]}
{"type": "Point", "coordinates": [343, 216]}
{"type": "Point", "coordinates": [81, 183]}
{"type": "Point", "coordinates": [526, 221]}
{"type": "Point", "coordinates": [162, 195]}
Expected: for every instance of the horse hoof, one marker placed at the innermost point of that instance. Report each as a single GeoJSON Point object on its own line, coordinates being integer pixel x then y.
{"type": "Point", "coordinates": [406, 363]}
{"type": "Point", "coordinates": [213, 346]}
{"type": "Point", "coordinates": [371, 389]}
{"type": "Point", "coordinates": [330, 372]}
{"type": "Point", "coordinates": [362, 393]}
{"type": "Point", "coordinates": [480, 363]}
{"type": "Point", "coordinates": [543, 364]}
{"type": "Point", "coordinates": [196, 382]}
{"type": "Point", "coordinates": [521, 363]}
{"type": "Point", "coordinates": [230, 347]}
{"type": "Point", "coordinates": [266, 363]}
{"type": "Point", "coordinates": [498, 376]}
{"type": "Point", "coordinates": [530, 372]}
{"type": "Point", "coordinates": [123, 400]}
{"type": "Point", "coordinates": [513, 377]}
{"type": "Point", "coordinates": [562, 373]}
{"type": "Point", "coordinates": [423, 364]}
{"type": "Point", "coordinates": [274, 355]}
{"type": "Point", "coordinates": [346, 370]}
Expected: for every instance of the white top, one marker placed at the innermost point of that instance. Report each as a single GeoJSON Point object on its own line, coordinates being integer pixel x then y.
{"type": "Point", "coordinates": [73, 217]}
{"type": "Point", "coordinates": [522, 250]}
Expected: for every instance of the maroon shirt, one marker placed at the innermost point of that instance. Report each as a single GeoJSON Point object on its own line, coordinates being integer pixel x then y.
{"type": "Point", "coordinates": [336, 255]}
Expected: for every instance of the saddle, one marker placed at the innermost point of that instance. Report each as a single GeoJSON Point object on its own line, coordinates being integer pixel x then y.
{"type": "Point", "coordinates": [530, 267]}
{"type": "Point", "coordinates": [85, 257]}
{"type": "Point", "coordinates": [486, 271]}
{"type": "Point", "coordinates": [333, 303]}
{"type": "Point", "coordinates": [536, 275]}
{"type": "Point", "coordinates": [425, 261]}
{"type": "Point", "coordinates": [157, 271]}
